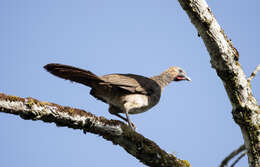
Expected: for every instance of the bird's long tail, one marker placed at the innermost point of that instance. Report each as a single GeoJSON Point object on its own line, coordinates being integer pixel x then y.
{"type": "Point", "coordinates": [73, 74]}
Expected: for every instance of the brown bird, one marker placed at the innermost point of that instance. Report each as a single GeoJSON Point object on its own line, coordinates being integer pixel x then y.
{"type": "Point", "coordinates": [125, 93]}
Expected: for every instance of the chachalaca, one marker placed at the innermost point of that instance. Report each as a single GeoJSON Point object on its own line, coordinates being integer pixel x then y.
{"type": "Point", "coordinates": [125, 93]}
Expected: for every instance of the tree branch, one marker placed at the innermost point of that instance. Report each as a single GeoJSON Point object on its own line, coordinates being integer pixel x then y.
{"type": "Point", "coordinates": [232, 155]}
{"type": "Point", "coordinates": [238, 159]}
{"type": "Point", "coordinates": [224, 59]}
{"type": "Point", "coordinates": [253, 74]}
{"type": "Point", "coordinates": [115, 131]}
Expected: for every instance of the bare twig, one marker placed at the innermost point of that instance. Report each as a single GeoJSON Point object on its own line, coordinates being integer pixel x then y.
{"type": "Point", "coordinates": [238, 158]}
{"type": "Point", "coordinates": [253, 74]}
{"type": "Point", "coordinates": [232, 155]}
{"type": "Point", "coordinates": [117, 132]}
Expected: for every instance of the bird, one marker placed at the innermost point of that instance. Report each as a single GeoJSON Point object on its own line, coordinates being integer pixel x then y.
{"type": "Point", "coordinates": [124, 93]}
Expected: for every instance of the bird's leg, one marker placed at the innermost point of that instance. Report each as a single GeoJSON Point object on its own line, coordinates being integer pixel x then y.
{"type": "Point", "coordinates": [129, 121]}
{"type": "Point", "coordinates": [127, 107]}
{"type": "Point", "coordinates": [120, 116]}
{"type": "Point", "coordinates": [132, 125]}
{"type": "Point", "coordinates": [115, 111]}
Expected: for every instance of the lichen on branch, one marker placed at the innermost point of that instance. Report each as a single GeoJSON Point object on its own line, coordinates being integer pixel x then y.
{"type": "Point", "coordinates": [115, 131]}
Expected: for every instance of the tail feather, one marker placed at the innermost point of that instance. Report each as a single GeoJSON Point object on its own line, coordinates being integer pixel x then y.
{"type": "Point", "coordinates": [73, 74]}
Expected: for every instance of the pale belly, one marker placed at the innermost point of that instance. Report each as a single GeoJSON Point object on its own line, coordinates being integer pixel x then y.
{"type": "Point", "coordinates": [134, 103]}
{"type": "Point", "coordinates": [137, 103]}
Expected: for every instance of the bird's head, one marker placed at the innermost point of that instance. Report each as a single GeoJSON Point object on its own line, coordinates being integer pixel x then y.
{"type": "Point", "coordinates": [177, 74]}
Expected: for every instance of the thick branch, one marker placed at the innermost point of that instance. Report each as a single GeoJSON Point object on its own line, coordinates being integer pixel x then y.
{"type": "Point", "coordinates": [224, 59]}
{"type": "Point", "coordinates": [140, 147]}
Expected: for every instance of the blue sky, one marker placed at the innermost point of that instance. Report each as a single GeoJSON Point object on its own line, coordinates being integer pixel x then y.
{"type": "Point", "coordinates": [193, 119]}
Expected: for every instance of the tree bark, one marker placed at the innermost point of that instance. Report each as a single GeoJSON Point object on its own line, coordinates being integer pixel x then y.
{"type": "Point", "coordinates": [115, 131]}
{"type": "Point", "coordinates": [224, 59]}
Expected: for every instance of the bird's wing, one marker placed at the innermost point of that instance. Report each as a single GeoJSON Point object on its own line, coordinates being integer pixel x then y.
{"type": "Point", "coordinates": [131, 82]}
{"type": "Point", "coordinates": [128, 82]}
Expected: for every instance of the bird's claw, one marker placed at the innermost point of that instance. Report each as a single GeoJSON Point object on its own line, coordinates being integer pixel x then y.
{"type": "Point", "coordinates": [132, 126]}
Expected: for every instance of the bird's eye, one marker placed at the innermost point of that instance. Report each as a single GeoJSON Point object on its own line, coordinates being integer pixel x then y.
{"type": "Point", "coordinates": [180, 71]}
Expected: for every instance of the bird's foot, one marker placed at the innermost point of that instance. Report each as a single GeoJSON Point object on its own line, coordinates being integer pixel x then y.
{"type": "Point", "coordinates": [132, 126]}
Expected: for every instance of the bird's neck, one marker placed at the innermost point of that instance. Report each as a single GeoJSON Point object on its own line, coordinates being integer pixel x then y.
{"type": "Point", "coordinates": [163, 79]}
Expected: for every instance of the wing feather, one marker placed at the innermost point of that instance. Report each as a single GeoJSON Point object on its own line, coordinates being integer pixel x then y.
{"type": "Point", "coordinates": [131, 82]}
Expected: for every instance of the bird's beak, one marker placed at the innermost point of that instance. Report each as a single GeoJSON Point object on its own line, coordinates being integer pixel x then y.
{"type": "Point", "coordinates": [182, 77]}
{"type": "Point", "coordinates": [187, 78]}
